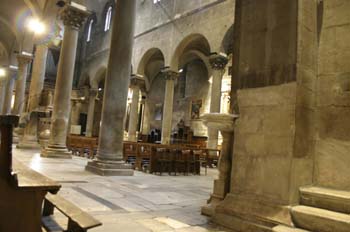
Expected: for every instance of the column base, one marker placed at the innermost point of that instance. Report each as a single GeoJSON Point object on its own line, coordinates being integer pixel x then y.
{"type": "Point", "coordinates": [56, 152]}
{"type": "Point", "coordinates": [249, 213]}
{"type": "Point", "coordinates": [26, 143]}
{"type": "Point", "coordinates": [218, 195]}
{"type": "Point", "coordinates": [109, 168]}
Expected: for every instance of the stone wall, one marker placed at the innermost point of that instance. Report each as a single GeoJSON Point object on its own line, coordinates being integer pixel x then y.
{"type": "Point", "coordinates": [173, 27]}
{"type": "Point", "coordinates": [275, 71]}
{"type": "Point", "coordinates": [264, 141]}
{"type": "Point", "coordinates": [333, 96]}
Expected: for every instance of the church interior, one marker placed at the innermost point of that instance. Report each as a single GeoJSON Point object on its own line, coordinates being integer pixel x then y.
{"type": "Point", "coordinates": [174, 115]}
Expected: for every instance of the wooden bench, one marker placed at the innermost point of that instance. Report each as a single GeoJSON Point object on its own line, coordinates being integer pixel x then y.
{"type": "Point", "coordinates": [22, 189]}
{"type": "Point", "coordinates": [78, 220]}
{"type": "Point", "coordinates": [82, 146]}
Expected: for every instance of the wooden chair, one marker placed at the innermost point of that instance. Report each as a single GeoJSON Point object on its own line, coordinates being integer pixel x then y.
{"type": "Point", "coordinates": [130, 152]}
{"type": "Point", "coordinates": [165, 161]}
{"type": "Point", "coordinates": [181, 161]}
{"type": "Point", "coordinates": [143, 156]}
{"type": "Point", "coordinates": [193, 163]}
{"type": "Point", "coordinates": [202, 159]}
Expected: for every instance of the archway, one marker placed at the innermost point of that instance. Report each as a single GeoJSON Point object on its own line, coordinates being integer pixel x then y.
{"type": "Point", "coordinates": [192, 92]}
{"type": "Point", "coordinates": [150, 67]}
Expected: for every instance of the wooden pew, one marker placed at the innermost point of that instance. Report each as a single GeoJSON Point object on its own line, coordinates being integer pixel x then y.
{"type": "Point", "coordinates": [78, 220]}
{"type": "Point", "coordinates": [22, 189]}
{"type": "Point", "coordinates": [82, 146]}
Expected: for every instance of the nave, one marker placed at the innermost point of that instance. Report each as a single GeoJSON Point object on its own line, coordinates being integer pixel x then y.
{"type": "Point", "coordinates": [141, 203]}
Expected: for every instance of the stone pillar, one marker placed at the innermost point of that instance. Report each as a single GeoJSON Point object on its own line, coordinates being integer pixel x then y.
{"type": "Point", "coordinates": [170, 77]}
{"type": "Point", "coordinates": [38, 77]}
{"type": "Point", "coordinates": [30, 140]}
{"type": "Point", "coordinates": [218, 63]}
{"type": "Point", "coordinates": [224, 123]}
{"type": "Point", "coordinates": [146, 118]}
{"type": "Point", "coordinates": [23, 61]}
{"type": "Point", "coordinates": [2, 92]}
{"type": "Point", "coordinates": [109, 160]}
{"type": "Point", "coordinates": [73, 18]}
{"type": "Point", "coordinates": [10, 83]}
{"type": "Point", "coordinates": [136, 83]}
{"type": "Point", "coordinates": [91, 112]}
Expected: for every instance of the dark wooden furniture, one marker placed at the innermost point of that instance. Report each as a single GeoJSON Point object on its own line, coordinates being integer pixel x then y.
{"type": "Point", "coordinates": [82, 146]}
{"type": "Point", "coordinates": [22, 189]}
{"type": "Point", "coordinates": [78, 220]}
{"type": "Point", "coordinates": [174, 158]}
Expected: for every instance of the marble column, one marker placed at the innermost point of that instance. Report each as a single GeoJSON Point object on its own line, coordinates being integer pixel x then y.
{"type": "Point", "coordinates": [170, 77]}
{"type": "Point", "coordinates": [109, 159]}
{"type": "Point", "coordinates": [73, 18]}
{"type": "Point", "coordinates": [9, 87]}
{"type": "Point", "coordinates": [23, 62]}
{"type": "Point", "coordinates": [218, 63]}
{"type": "Point", "coordinates": [91, 112]}
{"type": "Point", "coordinates": [136, 84]}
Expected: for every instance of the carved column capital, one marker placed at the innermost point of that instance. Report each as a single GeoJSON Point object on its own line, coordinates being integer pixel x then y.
{"type": "Point", "coordinates": [218, 61]}
{"type": "Point", "coordinates": [73, 16]}
{"type": "Point", "coordinates": [169, 74]}
{"type": "Point", "coordinates": [93, 92]}
{"type": "Point", "coordinates": [24, 59]}
{"type": "Point", "coordinates": [137, 81]}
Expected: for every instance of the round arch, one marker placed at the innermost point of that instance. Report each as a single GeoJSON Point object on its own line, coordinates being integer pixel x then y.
{"type": "Point", "coordinates": [153, 55]}
{"type": "Point", "coordinates": [195, 42]}
{"type": "Point", "coordinates": [98, 77]}
{"type": "Point", "coordinates": [227, 41]}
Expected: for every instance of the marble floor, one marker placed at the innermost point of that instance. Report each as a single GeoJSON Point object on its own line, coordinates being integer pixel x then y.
{"type": "Point", "coordinates": [141, 203]}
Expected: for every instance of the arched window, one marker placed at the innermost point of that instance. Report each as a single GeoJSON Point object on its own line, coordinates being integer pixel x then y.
{"type": "Point", "coordinates": [108, 18]}
{"type": "Point", "coordinates": [88, 39]}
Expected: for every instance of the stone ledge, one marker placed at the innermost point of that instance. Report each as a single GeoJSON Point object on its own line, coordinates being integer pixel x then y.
{"type": "Point", "coordinates": [320, 220]}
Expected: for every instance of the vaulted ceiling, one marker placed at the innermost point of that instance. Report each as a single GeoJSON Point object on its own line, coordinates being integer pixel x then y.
{"type": "Point", "coordinates": [13, 14]}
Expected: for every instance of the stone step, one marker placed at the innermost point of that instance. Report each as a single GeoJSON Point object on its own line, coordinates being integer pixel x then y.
{"type": "Point", "coordinates": [287, 229]}
{"type": "Point", "coordinates": [320, 220]}
{"type": "Point", "coordinates": [334, 200]}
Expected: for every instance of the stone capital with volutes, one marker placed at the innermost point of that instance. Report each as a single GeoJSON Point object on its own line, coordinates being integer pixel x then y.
{"type": "Point", "coordinates": [24, 59]}
{"type": "Point", "coordinates": [93, 92]}
{"type": "Point", "coordinates": [137, 81]}
{"type": "Point", "coordinates": [169, 74]}
{"type": "Point", "coordinates": [218, 61]}
{"type": "Point", "coordinates": [73, 16]}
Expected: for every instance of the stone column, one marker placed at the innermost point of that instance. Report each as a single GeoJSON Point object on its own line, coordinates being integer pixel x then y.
{"type": "Point", "coordinates": [10, 84]}
{"type": "Point", "coordinates": [2, 92]}
{"type": "Point", "coordinates": [72, 18]}
{"type": "Point", "coordinates": [23, 61]}
{"type": "Point", "coordinates": [170, 77]}
{"type": "Point", "coordinates": [218, 63]}
{"type": "Point", "coordinates": [38, 77]}
{"type": "Point", "coordinates": [146, 118]}
{"type": "Point", "coordinates": [109, 160]}
{"type": "Point", "coordinates": [91, 112]}
{"type": "Point", "coordinates": [136, 83]}
{"type": "Point", "coordinates": [30, 140]}
{"type": "Point", "coordinates": [224, 123]}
